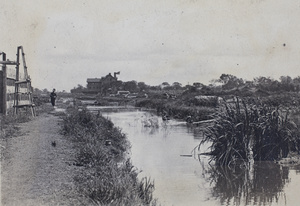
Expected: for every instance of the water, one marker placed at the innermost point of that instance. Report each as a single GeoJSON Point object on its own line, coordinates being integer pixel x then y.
{"type": "Point", "coordinates": [164, 154]}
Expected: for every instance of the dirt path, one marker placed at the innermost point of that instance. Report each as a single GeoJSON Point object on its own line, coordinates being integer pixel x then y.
{"type": "Point", "coordinates": [33, 172]}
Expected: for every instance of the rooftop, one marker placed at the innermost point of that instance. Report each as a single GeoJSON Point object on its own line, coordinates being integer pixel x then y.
{"type": "Point", "coordinates": [93, 80]}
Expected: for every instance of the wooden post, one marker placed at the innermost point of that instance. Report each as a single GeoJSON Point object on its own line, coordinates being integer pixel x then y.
{"type": "Point", "coordinates": [4, 84]}
{"type": "Point", "coordinates": [1, 91]}
{"type": "Point", "coordinates": [16, 95]}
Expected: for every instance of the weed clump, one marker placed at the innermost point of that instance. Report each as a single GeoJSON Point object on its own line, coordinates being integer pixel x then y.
{"type": "Point", "coordinates": [108, 177]}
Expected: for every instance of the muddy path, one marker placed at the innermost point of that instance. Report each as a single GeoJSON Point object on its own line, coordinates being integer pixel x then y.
{"type": "Point", "coordinates": [33, 171]}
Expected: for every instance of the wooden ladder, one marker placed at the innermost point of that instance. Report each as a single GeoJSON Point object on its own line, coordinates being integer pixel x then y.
{"type": "Point", "coordinates": [19, 94]}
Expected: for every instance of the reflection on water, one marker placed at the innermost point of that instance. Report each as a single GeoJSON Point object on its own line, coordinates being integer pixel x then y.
{"type": "Point", "coordinates": [261, 184]}
{"type": "Point", "coordinates": [162, 152]}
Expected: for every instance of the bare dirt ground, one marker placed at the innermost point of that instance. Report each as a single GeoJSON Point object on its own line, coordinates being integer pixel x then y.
{"type": "Point", "coordinates": [33, 172]}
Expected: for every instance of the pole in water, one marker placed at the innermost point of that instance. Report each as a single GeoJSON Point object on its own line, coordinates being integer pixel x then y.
{"type": "Point", "coordinates": [187, 155]}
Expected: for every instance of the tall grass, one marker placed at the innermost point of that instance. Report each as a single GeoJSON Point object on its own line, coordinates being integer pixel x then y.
{"type": "Point", "coordinates": [108, 178]}
{"type": "Point", "coordinates": [244, 131]}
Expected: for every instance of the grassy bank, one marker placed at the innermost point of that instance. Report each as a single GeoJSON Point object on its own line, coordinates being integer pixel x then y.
{"type": "Point", "coordinates": [108, 177]}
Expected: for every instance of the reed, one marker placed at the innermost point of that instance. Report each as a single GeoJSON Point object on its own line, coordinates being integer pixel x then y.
{"type": "Point", "coordinates": [245, 132]}
{"type": "Point", "coordinates": [146, 187]}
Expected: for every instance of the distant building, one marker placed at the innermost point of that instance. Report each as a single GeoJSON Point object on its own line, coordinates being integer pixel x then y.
{"type": "Point", "coordinates": [93, 84]}
{"type": "Point", "coordinates": [101, 85]}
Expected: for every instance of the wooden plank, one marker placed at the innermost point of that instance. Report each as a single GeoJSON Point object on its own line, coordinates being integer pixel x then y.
{"type": "Point", "coordinates": [8, 62]}
{"type": "Point", "coordinates": [21, 82]}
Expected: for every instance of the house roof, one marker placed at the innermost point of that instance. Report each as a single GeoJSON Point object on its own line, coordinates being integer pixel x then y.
{"type": "Point", "coordinates": [97, 80]}
{"type": "Point", "coordinates": [93, 80]}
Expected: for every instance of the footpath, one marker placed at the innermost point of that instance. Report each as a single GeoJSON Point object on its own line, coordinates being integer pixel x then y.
{"type": "Point", "coordinates": [36, 172]}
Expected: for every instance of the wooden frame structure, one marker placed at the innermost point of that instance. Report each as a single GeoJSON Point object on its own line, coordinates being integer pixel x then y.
{"type": "Point", "coordinates": [22, 96]}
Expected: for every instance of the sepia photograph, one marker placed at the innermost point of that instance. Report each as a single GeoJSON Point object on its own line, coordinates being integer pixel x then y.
{"type": "Point", "coordinates": [149, 103]}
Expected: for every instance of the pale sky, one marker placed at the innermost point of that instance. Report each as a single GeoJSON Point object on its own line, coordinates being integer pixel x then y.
{"type": "Point", "coordinates": [153, 41]}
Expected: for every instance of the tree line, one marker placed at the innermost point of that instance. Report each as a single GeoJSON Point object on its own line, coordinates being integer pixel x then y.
{"type": "Point", "coordinates": [224, 83]}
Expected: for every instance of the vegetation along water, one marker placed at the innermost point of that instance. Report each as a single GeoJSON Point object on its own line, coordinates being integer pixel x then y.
{"type": "Point", "coordinates": [108, 176]}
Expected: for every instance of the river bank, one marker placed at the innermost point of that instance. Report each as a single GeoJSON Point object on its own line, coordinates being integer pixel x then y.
{"type": "Point", "coordinates": [33, 172]}
{"type": "Point", "coordinates": [108, 177]}
{"type": "Point", "coordinates": [40, 166]}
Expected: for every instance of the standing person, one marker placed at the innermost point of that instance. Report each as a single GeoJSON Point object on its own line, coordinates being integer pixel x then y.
{"type": "Point", "coordinates": [53, 97]}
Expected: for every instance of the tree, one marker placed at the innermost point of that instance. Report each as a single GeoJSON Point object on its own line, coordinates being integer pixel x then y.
{"type": "Point", "coordinates": [286, 80]}
{"type": "Point", "coordinates": [296, 82]}
{"type": "Point", "coordinates": [154, 87]}
{"type": "Point", "coordinates": [37, 91]}
{"type": "Point", "coordinates": [116, 85]}
{"type": "Point", "coordinates": [165, 84]}
{"type": "Point", "coordinates": [263, 81]}
{"type": "Point", "coordinates": [230, 81]}
{"type": "Point", "coordinates": [142, 86]}
{"type": "Point", "coordinates": [266, 83]}
{"type": "Point", "coordinates": [286, 83]}
{"type": "Point", "coordinates": [198, 84]}
{"type": "Point", "coordinates": [176, 85]}
{"type": "Point", "coordinates": [77, 89]}
{"type": "Point", "coordinates": [130, 86]}
{"type": "Point", "coordinates": [79, 86]}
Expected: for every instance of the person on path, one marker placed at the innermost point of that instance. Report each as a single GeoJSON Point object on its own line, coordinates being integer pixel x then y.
{"type": "Point", "coordinates": [53, 97]}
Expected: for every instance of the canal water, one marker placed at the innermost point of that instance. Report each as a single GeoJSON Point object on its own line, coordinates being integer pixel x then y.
{"type": "Point", "coordinates": [164, 152]}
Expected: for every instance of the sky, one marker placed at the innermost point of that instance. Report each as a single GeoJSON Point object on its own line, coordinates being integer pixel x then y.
{"type": "Point", "coordinates": [186, 41]}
